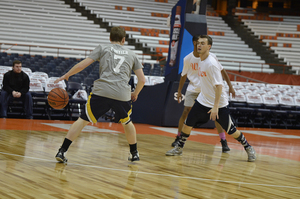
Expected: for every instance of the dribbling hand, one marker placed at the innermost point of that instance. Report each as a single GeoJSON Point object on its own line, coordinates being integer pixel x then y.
{"type": "Point", "coordinates": [61, 78]}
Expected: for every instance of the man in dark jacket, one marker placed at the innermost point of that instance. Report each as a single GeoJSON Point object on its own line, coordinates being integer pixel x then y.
{"type": "Point", "coordinates": [16, 86]}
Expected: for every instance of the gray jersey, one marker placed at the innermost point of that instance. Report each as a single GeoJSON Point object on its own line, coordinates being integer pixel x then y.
{"type": "Point", "coordinates": [116, 64]}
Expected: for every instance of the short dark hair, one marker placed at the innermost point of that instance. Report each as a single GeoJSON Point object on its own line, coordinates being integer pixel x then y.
{"type": "Point", "coordinates": [196, 37]}
{"type": "Point", "coordinates": [16, 62]}
{"type": "Point", "coordinates": [209, 39]}
{"type": "Point", "coordinates": [117, 34]}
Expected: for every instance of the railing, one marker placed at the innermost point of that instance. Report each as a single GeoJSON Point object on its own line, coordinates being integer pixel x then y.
{"type": "Point", "coordinates": [261, 64]}
{"type": "Point", "coordinates": [65, 48]}
{"type": "Point", "coordinates": [247, 78]}
{"type": "Point", "coordinates": [39, 46]}
{"type": "Point", "coordinates": [158, 57]}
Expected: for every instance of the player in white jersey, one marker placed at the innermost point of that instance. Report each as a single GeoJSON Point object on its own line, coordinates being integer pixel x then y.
{"type": "Point", "coordinates": [212, 101]}
{"type": "Point", "coordinates": [190, 71]}
{"type": "Point", "coordinates": [110, 91]}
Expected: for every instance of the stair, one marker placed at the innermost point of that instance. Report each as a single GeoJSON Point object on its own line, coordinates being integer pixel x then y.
{"type": "Point", "coordinates": [99, 21]}
{"type": "Point", "coordinates": [257, 45]}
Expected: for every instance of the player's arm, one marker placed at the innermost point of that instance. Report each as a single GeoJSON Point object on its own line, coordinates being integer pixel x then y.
{"type": "Point", "coordinates": [181, 83]}
{"type": "Point", "coordinates": [140, 84]}
{"type": "Point", "coordinates": [226, 77]}
{"type": "Point", "coordinates": [76, 69]}
{"type": "Point", "coordinates": [215, 109]}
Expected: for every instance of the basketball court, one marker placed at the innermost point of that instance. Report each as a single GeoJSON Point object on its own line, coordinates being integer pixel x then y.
{"type": "Point", "coordinates": [98, 167]}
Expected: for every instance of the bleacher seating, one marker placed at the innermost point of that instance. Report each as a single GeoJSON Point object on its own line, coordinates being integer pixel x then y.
{"type": "Point", "coordinates": [267, 106]}
{"type": "Point", "coordinates": [64, 31]}
{"type": "Point", "coordinates": [280, 32]}
{"type": "Point", "coordinates": [146, 24]}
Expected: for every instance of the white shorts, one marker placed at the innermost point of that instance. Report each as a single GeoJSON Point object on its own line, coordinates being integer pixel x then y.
{"type": "Point", "coordinates": [190, 98]}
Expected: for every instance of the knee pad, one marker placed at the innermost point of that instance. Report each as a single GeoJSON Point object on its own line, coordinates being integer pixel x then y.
{"type": "Point", "coordinates": [231, 129]}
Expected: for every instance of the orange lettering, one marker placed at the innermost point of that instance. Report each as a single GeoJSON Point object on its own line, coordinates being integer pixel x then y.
{"type": "Point", "coordinates": [194, 66]}
{"type": "Point", "coordinates": [202, 73]}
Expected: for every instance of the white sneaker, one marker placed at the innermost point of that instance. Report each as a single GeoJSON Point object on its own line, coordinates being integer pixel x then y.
{"type": "Point", "coordinates": [134, 157]}
{"type": "Point", "coordinates": [251, 154]}
{"type": "Point", "coordinates": [175, 151]}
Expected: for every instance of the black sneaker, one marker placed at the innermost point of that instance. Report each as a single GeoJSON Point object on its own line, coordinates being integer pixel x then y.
{"type": "Point", "coordinates": [60, 156]}
{"type": "Point", "coordinates": [176, 142]}
{"type": "Point", "coordinates": [134, 156]}
{"type": "Point", "coordinates": [225, 147]}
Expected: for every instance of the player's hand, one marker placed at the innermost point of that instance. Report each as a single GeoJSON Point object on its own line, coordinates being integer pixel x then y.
{"type": "Point", "coordinates": [61, 78]}
{"type": "Point", "coordinates": [179, 97]}
{"type": "Point", "coordinates": [213, 113]}
{"type": "Point", "coordinates": [16, 94]}
{"type": "Point", "coordinates": [19, 94]}
{"type": "Point", "coordinates": [134, 96]}
{"type": "Point", "coordinates": [232, 91]}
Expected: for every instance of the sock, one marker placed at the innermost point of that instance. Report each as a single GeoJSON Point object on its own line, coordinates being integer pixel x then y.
{"type": "Point", "coordinates": [178, 134]}
{"type": "Point", "coordinates": [222, 136]}
{"type": "Point", "coordinates": [243, 141]}
{"type": "Point", "coordinates": [182, 138]}
{"type": "Point", "coordinates": [133, 148]}
{"type": "Point", "coordinates": [66, 144]}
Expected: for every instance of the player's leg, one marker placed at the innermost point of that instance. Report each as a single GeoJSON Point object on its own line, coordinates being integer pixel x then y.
{"type": "Point", "coordinates": [72, 134]}
{"type": "Point", "coordinates": [183, 117]}
{"type": "Point", "coordinates": [227, 124]}
{"type": "Point", "coordinates": [94, 108]}
{"type": "Point", "coordinates": [198, 114]}
{"type": "Point", "coordinates": [122, 114]}
{"type": "Point", "coordinates": [222, 136]}
{"type": "Point", "coordinates": [4, 98]}
{"type": "Point", "coordinates": [188, 103]}
{"type": "Point", "coordinates": [130, 134]}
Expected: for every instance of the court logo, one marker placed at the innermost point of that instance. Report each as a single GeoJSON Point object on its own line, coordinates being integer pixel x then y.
{"type": "Point", "coordinates": [176, 96]}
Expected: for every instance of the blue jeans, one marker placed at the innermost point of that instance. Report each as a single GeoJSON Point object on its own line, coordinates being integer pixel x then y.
{"type": "Point", "coordinates": [26, 99]}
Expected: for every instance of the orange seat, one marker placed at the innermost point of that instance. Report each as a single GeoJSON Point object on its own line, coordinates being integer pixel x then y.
{"type": "Point", "coordinates": [164, 42]}
{"type": "Point", "coordinates": [289, 35]}
{"type": "Point", "coordinates": [162, 50]}
{"type": "Point", "coordinates": [297, 35]}
{"type": "Point", "coordinates": [118, 7]}
{"type": "Point", "coordinates": [264, 37]}
{"type": "Point", "coordinates": [273, 44]}
{"type": "Point", "coordinates": [287, 45]}
{"type": "Point", "coordinates": [273, 37]}
{"type": "Point", "coordinates": [130, 8]}
{"type": "Point", "coordinates": [280, 34]}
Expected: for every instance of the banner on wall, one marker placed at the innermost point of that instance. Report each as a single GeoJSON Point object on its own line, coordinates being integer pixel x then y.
{"type": "Point", "coordinates": [184, 25]}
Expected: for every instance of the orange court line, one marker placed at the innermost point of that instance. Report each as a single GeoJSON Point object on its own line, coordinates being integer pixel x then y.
{"type": "Point", "coordinates": [264, 143]}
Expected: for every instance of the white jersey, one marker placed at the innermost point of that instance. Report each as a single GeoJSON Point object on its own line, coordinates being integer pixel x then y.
{"type": "Point", "coordinates": [190, 68]}
{"type": "Point", "coordinates": [210, 76]}
{"type": "Point", "coordinates": [212, 54]}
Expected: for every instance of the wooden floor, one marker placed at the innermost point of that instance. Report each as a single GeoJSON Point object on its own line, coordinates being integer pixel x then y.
{"type": "Point", "coordinates": [98, 166]}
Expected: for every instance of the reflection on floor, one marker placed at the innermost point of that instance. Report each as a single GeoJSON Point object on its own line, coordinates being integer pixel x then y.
{"type": "Point", "coordinates": [98, 166]}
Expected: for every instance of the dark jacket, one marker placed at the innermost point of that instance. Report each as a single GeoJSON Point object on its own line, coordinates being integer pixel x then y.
{"type": "Point", "coordinates": [16, 82]}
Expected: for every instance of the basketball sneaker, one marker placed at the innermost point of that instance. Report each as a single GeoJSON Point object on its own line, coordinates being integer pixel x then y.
{"type": "Point", "coordinates": [225, 147]}
{"type": "Point", "coordinates": [60, 156]}
{"type": "Point", "coordinates": [175, 151]}
{"type": "Point", "coordinates": [175, 143]}
{"type": "Point", "coordinates": [251, 154]}
{"type": "Point", "coordinates": [134, 156]}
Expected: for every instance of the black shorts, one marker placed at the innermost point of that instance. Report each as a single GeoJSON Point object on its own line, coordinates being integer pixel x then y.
{"type": "Point", "coordinates": [97, 106]}
{"type": "Point", "coordinates": [198, 115]}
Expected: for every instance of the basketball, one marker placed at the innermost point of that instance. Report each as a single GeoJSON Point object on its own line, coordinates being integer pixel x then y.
{"type": "Point", "coordinates": [58, 98]}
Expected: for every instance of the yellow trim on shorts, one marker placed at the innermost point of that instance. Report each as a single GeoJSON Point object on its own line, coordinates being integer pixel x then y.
{"type": "Point", "coordinates": [89, 110]}
{"type": "Point", "coordinates": [123, 121]}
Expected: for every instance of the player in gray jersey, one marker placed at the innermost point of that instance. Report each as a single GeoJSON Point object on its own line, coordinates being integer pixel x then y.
{"type": "Point", "coordinates": [110, 91]}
